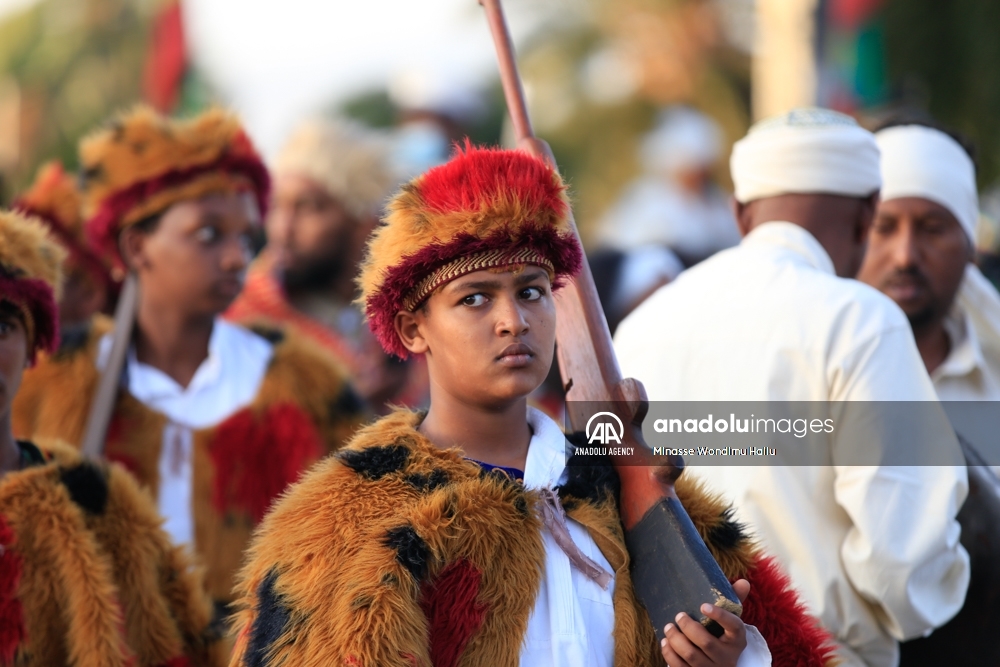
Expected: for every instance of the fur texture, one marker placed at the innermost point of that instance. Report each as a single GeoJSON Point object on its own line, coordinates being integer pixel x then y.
{"type": "Point", "coordinates": [357, 565]}
{"type": "Point", "coordinates": [100, 589]}
{"type": "Point", "coordinates": [143, 162]}
{"type": "Point", "coordinates": [55, 200]}
{"type": "Point", "coordinates": [483, 199]}
{"type": "Point", "coordinates": [31, 276]}
{"type": "Point", "coordinates": [239, 466]}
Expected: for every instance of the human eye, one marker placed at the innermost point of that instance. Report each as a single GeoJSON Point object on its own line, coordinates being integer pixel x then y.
{"type": "Point", "coordinates": [207, 234]}
{"type": "Point", "coordinates": [533, 293]}
{"type": "Point", "coordinates": [474, 300]}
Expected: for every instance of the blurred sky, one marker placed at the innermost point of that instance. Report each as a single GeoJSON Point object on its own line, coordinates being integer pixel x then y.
{"type": "Point", "coordinates": [277, 60]}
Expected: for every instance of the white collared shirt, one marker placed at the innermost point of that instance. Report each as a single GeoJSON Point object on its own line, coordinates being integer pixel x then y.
{"type": "Point", "coordinates": [874, 551]}
{"type": "Point", "coordinates": [573, 620]}
{"type": "Point", "coordinates": [964, 375]}
{"type": "Point", "coordinates": [227, 380]}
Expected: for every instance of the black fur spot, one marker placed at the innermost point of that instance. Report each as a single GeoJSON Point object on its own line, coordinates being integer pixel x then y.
{"type": "Point", "coordinates": [727, 534]}
{"type": "Point", "coordinates": [346, 403]}
{"type": "Point", "coordinates": [592, 481]}
{"type": "Point", "coordinates": [390, 580]}
{"type": "Point", "coordinates": [362, 602]}
{"type": "Point", "coordinates": [270, 334]}
{"type": "Point", "coordinates": [92, 174]}
{"type": "Point", "coordinates": [375, 462]}
{"type": "Point", "coordinates": [72, 340]}
{"type": "Point", "coordinates": [427, 482]}
{"type": "Point", "coordinates": [218, 627]}
{"type": "Point", "coordinates": [411, 550]}
{"type": "Point", "coordinates": [87, 486]}
{"type": "Point", "coordinates": [269, 625]}
{"type": "Point", "coordinates": [521, 505]}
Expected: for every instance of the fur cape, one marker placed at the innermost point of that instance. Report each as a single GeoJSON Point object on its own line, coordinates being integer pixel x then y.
{"type": "Point", "coordinates": [88, 577]}
{"type": "Point", "coordinates": [396, 553]}
{"type": "Point", "coordinates": [304, 409]}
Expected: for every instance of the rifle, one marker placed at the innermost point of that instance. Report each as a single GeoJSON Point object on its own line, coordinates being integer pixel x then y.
{"type": "Point", "coordinates": [103, 403]}
{"type": "Point", "coordinates": [672, 569]}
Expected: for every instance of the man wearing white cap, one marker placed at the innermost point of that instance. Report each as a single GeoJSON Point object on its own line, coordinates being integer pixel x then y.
{"type": "Point", "coordinates": [920, 254]}
{"type": "Point", "coordinates": [874, 549]}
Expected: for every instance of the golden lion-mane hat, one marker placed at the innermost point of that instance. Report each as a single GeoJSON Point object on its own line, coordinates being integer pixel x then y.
{"type": "Point", "coordinates": [143, 162]}
{"type": "Point", "coordinates": [30, 276]}
{"type": "Point", "coordinates": [55, 200]}
{"type": "Point", "coordinates": [485, 208]}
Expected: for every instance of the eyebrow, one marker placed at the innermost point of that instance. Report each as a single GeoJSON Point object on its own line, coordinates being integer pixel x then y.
{"type": "Point", "coordinates": [522, 279]}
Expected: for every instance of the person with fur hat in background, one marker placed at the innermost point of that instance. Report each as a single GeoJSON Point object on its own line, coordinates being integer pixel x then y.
{"type": "Point", "coordinates": [331, 180]}
{"type": "Point", "coordinates": [87, 576]}
{"type": "Point", "coordinates": [214, 418]}
{"type": "Point", "coordinates": [88, 286]}
{"type": "Point", "coordinates": [459, 535]}
{"type": "Point", "coordinates": [865, 523]}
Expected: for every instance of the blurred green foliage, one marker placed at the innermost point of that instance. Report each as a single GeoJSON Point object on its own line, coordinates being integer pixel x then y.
{"type": "Point", "coordinates": [75, 62]}
{"type": "Point", "coordinates": [943, 56]}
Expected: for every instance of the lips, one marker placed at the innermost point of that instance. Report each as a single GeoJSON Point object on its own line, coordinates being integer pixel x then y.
{"type": "Point", "coordinates": [516, 355]}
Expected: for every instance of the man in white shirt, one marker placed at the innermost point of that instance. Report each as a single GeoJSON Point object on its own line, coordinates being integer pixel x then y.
{"type": "Point", "coordinates": [874, 550]}
{"type": "Point", "coordinates": [920, 254]}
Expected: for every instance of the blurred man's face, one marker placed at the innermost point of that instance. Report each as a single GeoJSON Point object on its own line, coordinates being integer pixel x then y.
{"type": "Point", "coordinates": [917, 252]}
{"type": "Point", "coordinates": [308, 232]}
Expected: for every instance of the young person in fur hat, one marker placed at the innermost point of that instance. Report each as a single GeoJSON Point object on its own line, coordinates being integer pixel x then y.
{"type": "Point", "coordinates": [214, 418]}
{"type": "Point", "coordinates": [460, 536]}
{"type": "Point", "coordinates": [88, 285]}
{"type": "Point", "coordinates": [87, 577]}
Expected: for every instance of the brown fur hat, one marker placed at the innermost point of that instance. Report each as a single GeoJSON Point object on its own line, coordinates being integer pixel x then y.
{"type": "Point", "coordinates": [143, 162]}
{"type": "Point", "coordinates": [31, 276]}
{"type": "Point", "coordinates": [55, 199]}
{"type": "Point", "coordinates": [485, 208]}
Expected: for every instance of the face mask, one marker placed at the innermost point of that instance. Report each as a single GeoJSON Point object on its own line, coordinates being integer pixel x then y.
{"type": "Point", "coordinates": [420, 146]}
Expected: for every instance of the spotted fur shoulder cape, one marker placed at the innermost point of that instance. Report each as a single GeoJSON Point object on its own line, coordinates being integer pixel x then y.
{"type": "Point", "coordinates": [394, 552]}
{"type": "Point", "coordinates": [88, 578]}
{"type": "Point", "coordinates": [304, 409]}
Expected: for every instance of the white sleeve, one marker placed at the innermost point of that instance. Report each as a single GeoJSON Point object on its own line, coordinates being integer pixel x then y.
{"type": "Point", "coordinates": [902, 552]}
{"type": "Point", "coordinates": [756, 654]}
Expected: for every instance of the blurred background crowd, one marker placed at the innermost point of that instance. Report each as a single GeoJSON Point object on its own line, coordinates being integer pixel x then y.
{"type": "Point", "coordinates": [641, 100]}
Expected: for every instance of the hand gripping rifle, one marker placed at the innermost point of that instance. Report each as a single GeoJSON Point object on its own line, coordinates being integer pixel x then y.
{"type": "Point", "coordinates": [672, 569]}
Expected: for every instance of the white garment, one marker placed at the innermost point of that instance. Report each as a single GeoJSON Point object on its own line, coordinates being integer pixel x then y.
{"type": "Point", "coordinates": [654, 211]}
{"type": "Point", "coordinates": [227, 380]}
{"type": "Point", "coordinates": [573, 619]}
{"type": "Point", "coordinates": [874, 551]}
{"type": "Point", "coordinates": [805, 151]}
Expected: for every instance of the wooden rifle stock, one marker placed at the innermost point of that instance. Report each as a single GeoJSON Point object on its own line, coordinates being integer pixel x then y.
{"type": "Point", "coordinates": [672, 568]}
{"type": "Point", "coordinates": [103, 403]}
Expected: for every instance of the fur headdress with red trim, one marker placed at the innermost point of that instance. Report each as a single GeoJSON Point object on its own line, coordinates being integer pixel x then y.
{"type": "Point", "coordinates": [144, 162]}
{"type": "Point", "coordinates": [485, 208]}
{"type": "Point", "coordinates": [30, 277]}
{"type": "Point", "coordinates": [55, 200]}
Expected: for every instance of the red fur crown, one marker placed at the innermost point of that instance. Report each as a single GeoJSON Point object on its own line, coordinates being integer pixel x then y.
{"type": "Point", "coordinates": [485, 208]}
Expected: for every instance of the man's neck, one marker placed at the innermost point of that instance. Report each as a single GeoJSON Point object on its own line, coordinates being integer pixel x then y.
{"type": "Point", "coordinates": [496, 436]}
{"type": "Point", "coordinates": [933, 344]}
{"type": "Point", "coordinates": [171, 342]}
{"type": "Point", "coordinates": [10, 453]}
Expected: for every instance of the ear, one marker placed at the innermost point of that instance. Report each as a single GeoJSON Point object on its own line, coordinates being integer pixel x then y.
{"type": "Point", "coordinates": [407, 327]}
{"type": "Point", "coordinates": [131, 244]}
{"type": "Point", "coordinates": [866, 215]}
{"type": "Point", "coordinates": [742, 214]}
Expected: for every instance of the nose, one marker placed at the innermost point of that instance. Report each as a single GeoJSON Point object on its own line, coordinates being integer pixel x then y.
{"type": "Point", "coordinates": [904, 247]}
{"type": "Point", "coordinates": [236, 253]}
{"type": "Point", "coordinates": [511, 320]}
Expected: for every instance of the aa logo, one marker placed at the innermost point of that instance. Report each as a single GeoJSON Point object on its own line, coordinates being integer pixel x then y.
{"type": "Point", "coordinates": [604, 431]}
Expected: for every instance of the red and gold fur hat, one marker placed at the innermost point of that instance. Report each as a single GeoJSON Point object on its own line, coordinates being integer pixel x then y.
{"type": "Point", "coordinates": [485, 208]}
{"type": "Point", "coordinates": [30, 277]}
{"type": "Point", "coordinates": [143, 162]}
{"type": "Point", "coordinates": [55, 200]}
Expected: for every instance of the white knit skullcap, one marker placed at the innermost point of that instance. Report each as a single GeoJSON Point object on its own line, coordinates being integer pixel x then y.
{"type": "Point", "coordinates": [805, 151]}
{"type": "Point", "coordinates": [349, 160]}
{"type": "Point", "coordinates": [920, 161]}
